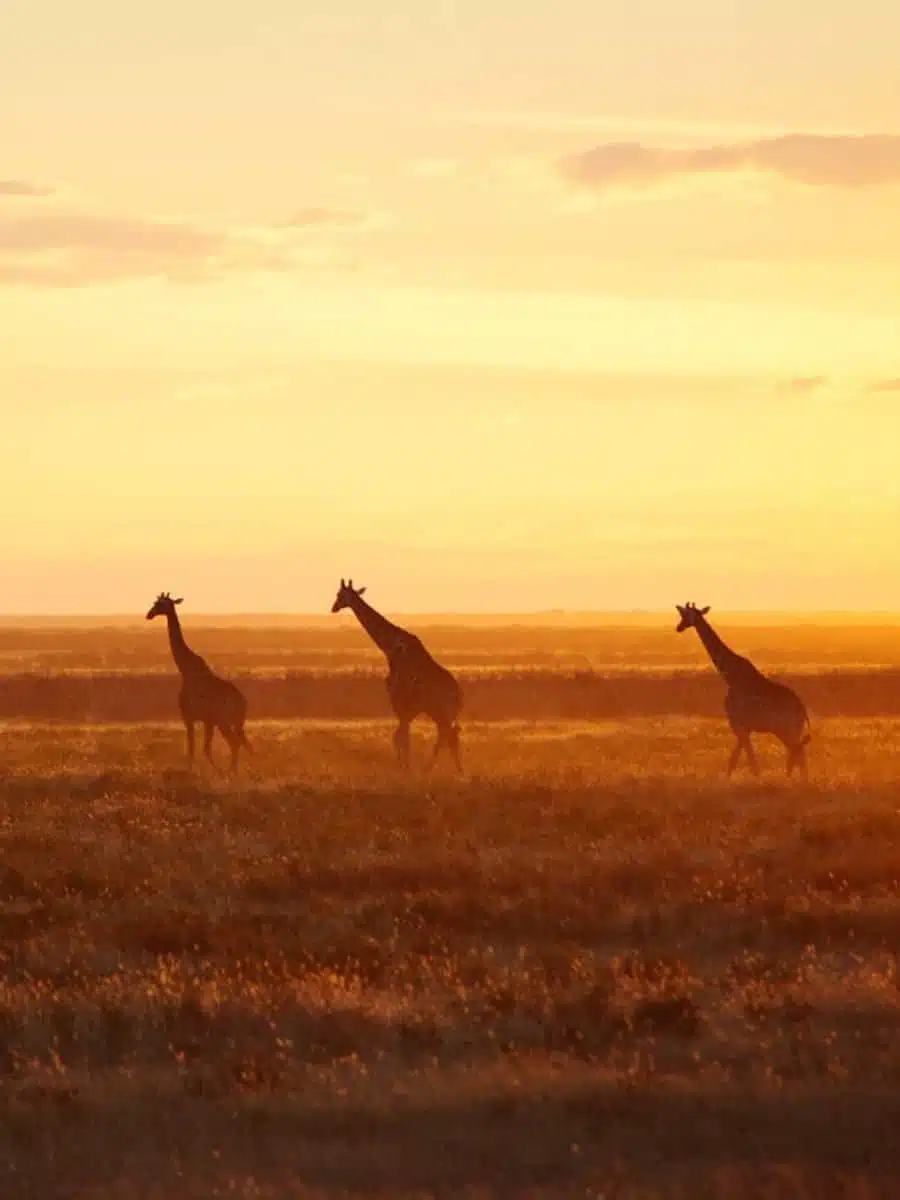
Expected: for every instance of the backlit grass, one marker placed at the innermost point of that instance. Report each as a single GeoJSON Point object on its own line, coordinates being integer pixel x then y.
{"type": "Point", "coordinates": [589, 966]}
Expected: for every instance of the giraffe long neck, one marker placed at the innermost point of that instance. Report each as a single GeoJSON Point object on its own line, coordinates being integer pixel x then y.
{"type": "Point", "coordinates": [181, 652]}
{"type": "Point", "coordinates": [725, 660]}
{"type": "Point", "coordinates": [383, 632]}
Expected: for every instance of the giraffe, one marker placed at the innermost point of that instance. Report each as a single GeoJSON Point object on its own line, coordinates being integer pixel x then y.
{"type": "Point", "coordinates": [753, 703]}
{"type": "Point", "coordinates": [204, 697]}
{"type": "Point", "coordinates": [416, 683]}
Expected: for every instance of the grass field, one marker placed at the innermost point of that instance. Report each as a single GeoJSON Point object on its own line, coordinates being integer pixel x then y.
{"type": "Point", "coordinates": [590, 966]}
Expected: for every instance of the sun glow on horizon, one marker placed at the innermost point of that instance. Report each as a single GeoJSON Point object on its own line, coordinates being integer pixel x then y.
{"type": "Point", "coordinates": [353, 293]}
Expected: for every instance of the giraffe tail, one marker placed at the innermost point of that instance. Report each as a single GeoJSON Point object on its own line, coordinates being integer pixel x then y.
{"type": "Point", "coordinates": [245, 742]}
{"type": "Point", "coordinates": [807, 737]}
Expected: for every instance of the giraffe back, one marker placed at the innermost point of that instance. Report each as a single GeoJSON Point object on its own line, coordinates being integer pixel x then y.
{"type": "Point", "coordinates": [205, 696]}
{"type": "Point", "coordinates": [768, 707]}
{"type": "Point", "coordinates": [417, 683]}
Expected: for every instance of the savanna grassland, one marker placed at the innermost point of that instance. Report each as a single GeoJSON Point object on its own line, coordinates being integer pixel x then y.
{"type": "Point", "coordinates": [589, 966]}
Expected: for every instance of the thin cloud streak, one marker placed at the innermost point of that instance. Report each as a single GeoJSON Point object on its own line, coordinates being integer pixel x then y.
{"type": "Point", "coordinates": [803, 385]}
{"type": "Point", "coordinates": [22, 187]}
{"type": "Point", "coordinates": [318, 218]}
{"type": "Point", "coordinates": [862, 161]}
{"type": "Point", "coordinates": [62, 247]}
{"type": "Point", "coordinates": [565, 121]}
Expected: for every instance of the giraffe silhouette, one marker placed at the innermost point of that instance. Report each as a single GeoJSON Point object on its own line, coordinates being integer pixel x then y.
{"type": "Point", "coordinates": [416, 683]}
{"type": "Point", "coordinates": [753, 703]}
{"type": "Point", "coordinates": [204, 696]}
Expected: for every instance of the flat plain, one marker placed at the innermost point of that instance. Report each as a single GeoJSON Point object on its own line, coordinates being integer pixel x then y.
{"type": "Point", "coordinates": [588, 966]}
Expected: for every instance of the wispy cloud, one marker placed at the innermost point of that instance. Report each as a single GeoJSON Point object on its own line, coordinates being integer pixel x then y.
{"type": "Point", "coordinates": [318, 218]}
{"type": "Point", "coordinates": [58, 245]}
{"type": "Point", "coordinates": [884, 386]}
{"type": "Point", "coordinates": [812, 159]}
{"type": "Point", "coordinates": [562, 121]}
{"type": "Point", "coordinates": [803, 385]}
{"type": "Point", "coordinates": [23, 187]}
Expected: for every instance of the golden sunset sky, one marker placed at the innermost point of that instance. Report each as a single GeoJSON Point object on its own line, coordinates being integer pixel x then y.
{"type": "Point", "coordinates": [490, 305]}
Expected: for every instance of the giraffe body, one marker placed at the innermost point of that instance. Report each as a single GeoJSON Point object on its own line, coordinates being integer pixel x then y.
{"type": "Point", "coordinates": [417, 684]}
{"type": "Point", "coordinates": [753, 703]}
{"type": "Point", "coordinates": [204, 697]}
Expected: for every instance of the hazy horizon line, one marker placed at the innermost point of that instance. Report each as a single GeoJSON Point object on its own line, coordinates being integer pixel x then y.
{"type": "Point", "coordinates": [481, 616]}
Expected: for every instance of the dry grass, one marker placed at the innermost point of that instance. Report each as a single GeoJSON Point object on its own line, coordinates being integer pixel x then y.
{"type": "Point", "coordinates": [590, 967]}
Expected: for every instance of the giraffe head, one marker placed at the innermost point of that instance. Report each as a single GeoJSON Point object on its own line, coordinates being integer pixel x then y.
{"type": "Point", "coordinates": [345, 596]}
{"type": "Point", "coordinates": [690, 616]}
{"type": "Point", "coordinates": [162, 606]}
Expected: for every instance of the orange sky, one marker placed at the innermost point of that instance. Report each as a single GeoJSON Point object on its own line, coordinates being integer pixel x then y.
{"type": "Point", "coordinates": [492, 306]}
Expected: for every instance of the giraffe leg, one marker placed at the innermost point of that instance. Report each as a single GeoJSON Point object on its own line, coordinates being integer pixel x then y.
{"type": "Point", "coordinates": [401, 744]}
{"type": "Point", "coordinates": [233, 737]}
{"type": "Point", "coordinates": [453, 745]}
{"type": "Point", "coordinates": [208, 730]}
{"type": "Point", "coordinates": [797, 758]}
{"type": "Point", "coordinates": [735, 756]}
{"type": "Point", "coordinates": [439, 742]}
{"type": "Point", "coordinates": [751, 755]}
{"type": "Point", "coordinates": [803, 764]}
{"type": "Point", "coordinates": [189, 733]}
